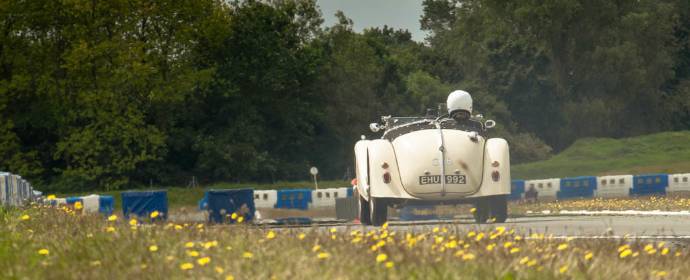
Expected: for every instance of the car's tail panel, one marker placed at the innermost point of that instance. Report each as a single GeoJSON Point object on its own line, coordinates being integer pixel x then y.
{"type": "Point", "coordinates": [421, 162]}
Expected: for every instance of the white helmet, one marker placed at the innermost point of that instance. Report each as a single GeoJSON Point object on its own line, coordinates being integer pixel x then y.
{"type": "Point", "coordinates": [459, 100]}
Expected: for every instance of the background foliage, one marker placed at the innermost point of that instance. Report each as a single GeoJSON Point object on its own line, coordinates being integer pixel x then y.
{"type": "Point", "coordinates": [115, 94]}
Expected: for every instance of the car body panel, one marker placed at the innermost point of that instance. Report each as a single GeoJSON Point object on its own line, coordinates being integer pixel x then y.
{"type": "Point", "coordinates": [411, 155]}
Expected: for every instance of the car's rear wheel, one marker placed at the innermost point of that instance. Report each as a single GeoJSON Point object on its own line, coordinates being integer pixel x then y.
{"type": "Point", "coordinates": [492, 208]}
{"type": "Point", "coordinates": [364, 211]}
{"type": "Point", "coordinates": [379, 211]}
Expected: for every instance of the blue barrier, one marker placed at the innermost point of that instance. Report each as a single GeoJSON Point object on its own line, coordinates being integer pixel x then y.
{"type": "Point", "coordinates": [418, 212]}
{"type": "Point", "coordinates": [106, 204]}
{"type": "Point", "coordinates": [222, 203]}
{"type": "Point", "coordinates": [294, 199]}
{"type": "Point", "coordinates": [143, 203]}
{"type": "Point", "coordinates": [349, 192]}
{"type": "Point", "coordinates": [203, 203]}
{"type": "Point", "coordinates": [577, 187]}
{"type": "Point", "coordinates": [71, 200]}
{"type": "Point", "coordinates": [517, 188]}
{"type": "Point", "coordinates": [649, 184]}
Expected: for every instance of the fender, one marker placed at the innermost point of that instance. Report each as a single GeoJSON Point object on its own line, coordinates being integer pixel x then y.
{"type": "Point", "coordinates": [361, 167]}
{"type": "Point", "coordinates": [495, 150]}
{"type": "Point", "coordinates": [380, 152]}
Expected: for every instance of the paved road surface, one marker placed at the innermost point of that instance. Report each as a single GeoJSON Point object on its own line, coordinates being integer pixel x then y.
{"type": "Point", "coordinates": [585, 226]}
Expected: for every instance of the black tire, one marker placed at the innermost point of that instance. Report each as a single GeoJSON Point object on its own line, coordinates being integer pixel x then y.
{"type": "Point", "coordinates": [364, 211]}
{"type": "Point", "coordinates": [481, 210]}
{"type": "Point", "coordinates": [379, 211]}
{"type": "Point", "coordinates": [492, 208]}
{"type": "Point", "coordinates": [499, 209]}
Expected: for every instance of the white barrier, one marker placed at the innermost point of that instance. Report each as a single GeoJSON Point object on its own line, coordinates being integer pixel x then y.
{"type": "Point", "coordinates": [4, 188]}
{"type": "Point", "coordinates": [326, 197]}
{"type": "Point", "coordinates": [265, 199]}
{"type": "Point", "coordinates": [679, 182]}
{"type": "Point", "coordinates": [91, 203]}
{"type": "Point", "coordinates": [613, 186]}
{"type": "Point", "coordinates": [544, 187]}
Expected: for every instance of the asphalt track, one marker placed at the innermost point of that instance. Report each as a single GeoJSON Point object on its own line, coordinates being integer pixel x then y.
{"type": "Point", "coordinates": [578, 226]}
{"type": "Point", "coordinates": [583, 227]}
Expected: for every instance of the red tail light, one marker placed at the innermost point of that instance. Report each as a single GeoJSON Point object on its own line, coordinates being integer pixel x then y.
{"type": "Point", "coordinates": [495, 176]}
{"type": "Point", "coordinates": [386, 177]}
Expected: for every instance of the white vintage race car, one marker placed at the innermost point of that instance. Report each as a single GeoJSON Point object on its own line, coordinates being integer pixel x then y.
{"type": "Point", "coordinates": [404, 167]}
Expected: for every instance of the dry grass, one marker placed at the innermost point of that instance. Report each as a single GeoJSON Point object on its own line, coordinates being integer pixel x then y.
{"type": "Point", "coordinates": [92, 247]}
{"type": "Point", "coordinates": [664, 203]}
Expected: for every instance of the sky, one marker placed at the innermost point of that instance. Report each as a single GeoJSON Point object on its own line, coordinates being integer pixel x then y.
{"type": "Point", "coordinates": [399, 14]}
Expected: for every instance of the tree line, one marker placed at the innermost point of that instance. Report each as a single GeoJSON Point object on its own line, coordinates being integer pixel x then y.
{"type": "Point", "coordinates": [117, 94]}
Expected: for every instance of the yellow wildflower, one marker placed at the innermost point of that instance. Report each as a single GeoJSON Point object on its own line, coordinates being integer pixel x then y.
{"type": "Point", "coordinates": [563, 269]}
{"type": "Point", "coordinates": [589, 256]}
{"type": "Point", "coordinates": [247, 255]}
{"type": "Point", "coordinates": [385, 225]}
{"type": "Point", "coordinates": [648, 247]}
{"type": "Point", "coordinates": [219, 270]}
{"type": "Point", "coordinates": [334, 230]}
{"type": "Point", "coordinates": [490, 247]}
{"type": "Point", "coordinates": [356, 240]}
{"type": "Point", "coordinates": [316, 248]}
{"type": "Point", "coordinates": [78, 205]}
{"type": "Point", "coordinates": [178, 227]}
{"type": "Point", "coordinates": [479, 236]}
{"type": "Point", "coordinates": [390, 264]}
{"type": "Point", "coordinates": [153, 248]}
{"type": "Point", "coordinates": [203, 261]}
{"type": "Point", "coordinates": [186, 266]}
{"type": "Point", "coordinates": [381, 258]}
{"type": "Point", "coordinates": [189, 244]}
{"type": "Point", "coordinates": [133, 222]}
{"type": "Point", "coordinates": [192, 253]}
{"type": "Point", "coordinates": [240, 219]}
{"type": "Point", "coordinates": [472, 210]}
{"type": "Point", "coordinates": [154, 214]}
{"type": "Point", "coordinates": [25, 217]}
{"type": "Point", "coordinates": [229, 277]}
{"type": "Point", "coordinates": [625, 253]}
{"type": "Point", "coordinates": [507, 244]}
{"type": "Point", "coordinates": [112, 218]}
{"type": "Point", "coordinates": [43, 252]}
{"type": "Point", "coordinates": [301, 236]}
{"type": "Point", "coordinates": [468, 257]}
{"type": "Point", "coordinates": [661, 274]}
{"type": "Point", "coordinates": [110, 229]}
{"type": "Point", "coordinates": [233, 216]}
{"type": "Point", "coordinates": [270, 235]}
{"type": "Point", "coordinates": [562, 247]}
{"type": "Point", "coordinates": [210, 244]}
{"type": "Point", "coordinates": [323, 255]}
{"type": "Point", "coordinates": [514, 250]}
{"type": "Point", "coordinates": [524, 260]}
{"type": "Point", "coordinates": [664, 251]}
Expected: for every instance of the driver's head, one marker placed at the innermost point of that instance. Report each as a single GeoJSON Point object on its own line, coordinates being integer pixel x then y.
{"type": "Point", "coordinates": [459, 105]}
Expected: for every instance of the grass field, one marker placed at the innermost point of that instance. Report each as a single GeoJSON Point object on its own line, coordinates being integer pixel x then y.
{"type": "Point", "coordinates": [48, 243]}
{"type": "Point", "coordinates": [667, 203]}
{"type": "Point", "coordinates": [667, 152]}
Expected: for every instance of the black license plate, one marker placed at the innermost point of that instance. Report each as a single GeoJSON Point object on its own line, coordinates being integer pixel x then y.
{"type": "Point", "coordinates": [436, 179]}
